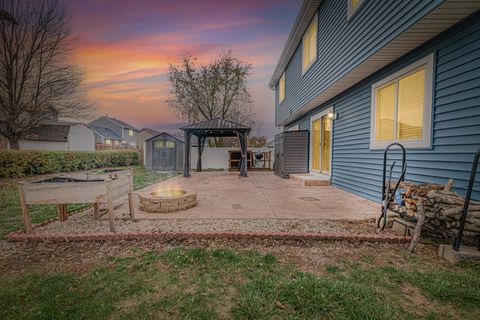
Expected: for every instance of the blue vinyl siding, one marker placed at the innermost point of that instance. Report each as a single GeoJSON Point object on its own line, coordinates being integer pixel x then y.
{"type": "Point", "coordinates": [344, 44]}
{"type": "Point", "coordinates": [456, 119]}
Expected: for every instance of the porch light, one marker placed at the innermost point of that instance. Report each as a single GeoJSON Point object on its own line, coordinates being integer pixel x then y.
{"type": "Point", "coordinates": [332, 115]}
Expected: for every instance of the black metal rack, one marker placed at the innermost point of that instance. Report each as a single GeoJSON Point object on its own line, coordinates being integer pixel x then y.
{"type": "Point", "coordinates": [387, 192]}
{"type": "Point", "coordinates": [458, 239]}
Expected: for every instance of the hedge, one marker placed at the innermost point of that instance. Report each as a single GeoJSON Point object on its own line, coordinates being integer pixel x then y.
{"type": "Point", "coordinates": [18, 163]}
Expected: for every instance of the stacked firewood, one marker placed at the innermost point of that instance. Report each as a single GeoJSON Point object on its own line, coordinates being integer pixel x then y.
{"type": "Point", "coordinates": [443, 208]}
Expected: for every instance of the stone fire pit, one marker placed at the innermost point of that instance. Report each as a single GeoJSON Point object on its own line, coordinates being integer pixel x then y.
{"type": "Point", "coordinates": [165, 201]}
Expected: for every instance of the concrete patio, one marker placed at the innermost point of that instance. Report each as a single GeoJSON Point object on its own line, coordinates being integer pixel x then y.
{"type": "Point", "coordinates": [260, 203]}
{"type": "Point", "coordinates": [262, 195]}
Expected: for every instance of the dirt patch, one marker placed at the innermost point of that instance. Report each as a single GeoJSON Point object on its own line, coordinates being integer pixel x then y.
{"type": "Point", "coordinates": [309, 256]}
{"type": "Point", "coordinates": [416, 297]}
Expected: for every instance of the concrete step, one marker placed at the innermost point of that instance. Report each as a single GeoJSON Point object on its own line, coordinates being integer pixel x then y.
{"type": "Point", "coordinates": [311, 179]}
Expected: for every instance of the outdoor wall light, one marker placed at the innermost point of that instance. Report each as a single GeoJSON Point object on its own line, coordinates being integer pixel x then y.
{"type": "Point", "coordinates": [332, 115]}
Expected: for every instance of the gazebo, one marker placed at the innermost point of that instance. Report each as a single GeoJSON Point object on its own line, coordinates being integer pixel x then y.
{"type": "Point", "coordinates": [215, 128]}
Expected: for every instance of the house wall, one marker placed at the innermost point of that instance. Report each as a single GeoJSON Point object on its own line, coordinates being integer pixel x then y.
{"type": "Point", "coordinates": [130, 140]}
{"type": "Point", "coordinates": [344, 44]}
{"type": "Point", "coordinates": [42, 145]}
{"type": "Point", "coordinates": [142, 136]}
{"type": "Point", "coordinates": [105, 123]}
{"type": "Point", "coordinates": [81, 138]}
{"type": "Point", "coordinates": [456, 119]}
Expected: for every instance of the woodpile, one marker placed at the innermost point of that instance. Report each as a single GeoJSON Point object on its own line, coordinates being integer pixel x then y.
{"type": "Point", "coordinates": [443, 208]}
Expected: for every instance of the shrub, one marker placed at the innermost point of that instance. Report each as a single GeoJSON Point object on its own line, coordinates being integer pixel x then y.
{"type": "Point", "coordinates": [18, 163]}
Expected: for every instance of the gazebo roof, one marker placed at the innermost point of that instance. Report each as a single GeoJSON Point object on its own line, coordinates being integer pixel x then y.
{"type": "Point", "coordinates": [216, 127]}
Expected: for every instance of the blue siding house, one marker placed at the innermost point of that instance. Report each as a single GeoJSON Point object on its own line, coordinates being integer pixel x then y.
{"type": "Point", "coordinates": [360, 74]}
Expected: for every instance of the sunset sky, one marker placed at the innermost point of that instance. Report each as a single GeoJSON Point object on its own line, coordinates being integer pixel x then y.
{"type": "Point", "coordinates": [126, 46]}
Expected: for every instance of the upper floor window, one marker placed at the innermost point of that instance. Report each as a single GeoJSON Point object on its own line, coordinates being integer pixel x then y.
{"type": "Point", "coordinates": [281, 88]}
{"type": "Point", "coordinates": [310, 45]}
{"type": "Point", "coordinates": [402, 107]}
{"type": "Point", "coordinates": [130, 133]}
{"type": "Point", "coordinates": [353, 6]}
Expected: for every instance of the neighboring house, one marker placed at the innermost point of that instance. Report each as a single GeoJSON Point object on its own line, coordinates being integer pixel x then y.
{"type": "Point", "coordinates": [114, 133]}
{"type": "Point", "coordinates": [362, 74]}
{"type": "Point", "coordinates": [143, 135]}
{"type": "Point", "coordinates": [61, 136]}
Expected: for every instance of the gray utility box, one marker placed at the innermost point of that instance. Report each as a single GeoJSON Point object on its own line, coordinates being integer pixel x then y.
{"type": "Point", "coordinates": [291, 153]}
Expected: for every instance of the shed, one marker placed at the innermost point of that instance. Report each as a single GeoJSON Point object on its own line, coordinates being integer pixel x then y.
{"type": "Point", "coordinates": [164, 152]}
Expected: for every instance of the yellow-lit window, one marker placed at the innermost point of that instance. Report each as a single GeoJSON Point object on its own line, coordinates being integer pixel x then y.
{"type": "Point", "coordinates": [130, 133]}
{"type": "Point", "coordinates": [401, 110]}
{"type": "Point", "coordinates": [108, 142]}
{"type": "Point", "coordinates": [411, 98]}
{"type": "Point", "coordinates": [281, 88]}
{"type": "Point", "coordinates": [309, 47]}
{"type": "Point", "coordinates": [385, 113]}
{"type": "Point", "coordinates": [158, 144]}
{"type": "Point", "coordinates": [170, 144]}
{"type": "Point", "coordinates": [353, 6]}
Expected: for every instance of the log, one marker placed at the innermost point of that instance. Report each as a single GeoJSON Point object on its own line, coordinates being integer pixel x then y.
{"type": "Point", "coordinates": [449, 185]}
{"type": "Point", "coordinates": [439, 196]}
{"type": "Point", "coordinates": [418, 228]}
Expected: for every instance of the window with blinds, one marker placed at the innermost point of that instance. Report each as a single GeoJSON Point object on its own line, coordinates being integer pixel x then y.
{"type": "Point", "coordinates": [352, 7]}
{"type": "Point", "coordinates": [401, 109]}
{"type": "Point", "coordinates": [309, 46]}
{"type": "Point", "coordinates": [281, 88]}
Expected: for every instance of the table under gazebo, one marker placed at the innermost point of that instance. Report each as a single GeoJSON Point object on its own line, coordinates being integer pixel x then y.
{"type": "Point", "coordinates": [215, 128]}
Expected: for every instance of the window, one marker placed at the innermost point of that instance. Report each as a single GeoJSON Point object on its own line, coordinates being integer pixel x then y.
{"type": "Point", "coordinates": [309, 53]}
{"type": "Point", "coordinates": [130, 133]}
{"type": "Point", "coordinates": [352, 7]}
{"type": "Point", "coordinates": [402, 107]}
{"type": "Point", "coordinates": [108, 142]}
{"type": "Point", "coordinates": [281, 88]}
{"type": "Point", "coordinates": [170, 144]}
{"type": "Point", "coordinates": [158, 144]}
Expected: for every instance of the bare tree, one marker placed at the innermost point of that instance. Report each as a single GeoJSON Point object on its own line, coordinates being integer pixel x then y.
{"type": "Point", "coordinates": [214, 90]}
{"type": "Point", "coordinates": [37, 83]}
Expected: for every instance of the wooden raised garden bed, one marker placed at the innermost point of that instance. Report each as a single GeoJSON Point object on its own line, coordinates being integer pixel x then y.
{"type": "Point", "coordinates": [95, 188]}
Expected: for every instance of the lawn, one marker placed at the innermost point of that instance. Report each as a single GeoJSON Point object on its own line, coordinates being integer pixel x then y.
{"type": "Point", "coordinates": [219, 283]}
{"type": "Point", "coordinates": [10, 213]}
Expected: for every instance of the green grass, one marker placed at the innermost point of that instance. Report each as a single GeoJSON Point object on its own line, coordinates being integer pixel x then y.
{"type": "Point", "coordinates": [143, 178]}
{"type": "Point", "coordinates": [200, 283]}
{"type": "Point", "coordinates": [10, 212]}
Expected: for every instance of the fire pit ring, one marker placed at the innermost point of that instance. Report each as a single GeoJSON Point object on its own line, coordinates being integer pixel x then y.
{"type": "Point", "coordinates": [165, 201]}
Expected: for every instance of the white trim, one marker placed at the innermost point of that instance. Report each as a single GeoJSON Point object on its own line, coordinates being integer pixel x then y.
{"type": "Point", "coordinates": [294, 128]}
{"type": "Point", "coordinates": [317, 116]}
{"type": "Point", "coordinates": [426, 142]}
{"type": "Point", "coordinates": [351, 10]}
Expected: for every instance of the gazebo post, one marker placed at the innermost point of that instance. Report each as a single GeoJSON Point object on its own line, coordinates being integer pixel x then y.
{"type": "Point", "coordinates": [243, 151]}
{"type": "Point", "coordinates": [186, 162]}
{"type": "Point", "coordinates": [199, 161]}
